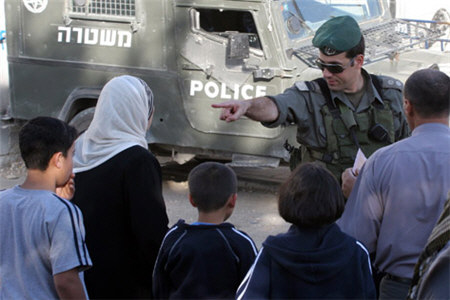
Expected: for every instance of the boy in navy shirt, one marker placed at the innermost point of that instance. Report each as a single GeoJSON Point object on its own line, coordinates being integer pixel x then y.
{"type": "Point", "coordinates": [209, 258]}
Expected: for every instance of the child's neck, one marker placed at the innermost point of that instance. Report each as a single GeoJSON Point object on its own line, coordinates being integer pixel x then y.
{"type": "Point", "coordinates": [38, 180]}
{"type": "Point", "coordinates": [214, 217]}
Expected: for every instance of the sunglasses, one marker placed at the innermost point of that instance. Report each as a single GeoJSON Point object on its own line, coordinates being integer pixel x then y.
{"type": "Point", "coordinates": [334, 68]}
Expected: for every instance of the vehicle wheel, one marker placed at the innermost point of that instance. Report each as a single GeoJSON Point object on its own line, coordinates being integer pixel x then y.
{"type": "Point", "coordinates": [82, 119]}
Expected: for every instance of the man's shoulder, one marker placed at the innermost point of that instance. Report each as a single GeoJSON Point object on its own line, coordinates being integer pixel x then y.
{"type": "Point", "coordinates": [388, 152]}
{"type": "Point", "coordinates": [5, 192]}
{"type": "Point", "coordinates": [387, 82]}
{"type": "Point", "coordinates": [312, 87]}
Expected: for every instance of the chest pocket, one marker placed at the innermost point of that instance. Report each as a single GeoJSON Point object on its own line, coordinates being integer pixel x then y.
{"type": "Point", "coordinates": [363, 121]}
{"type": "Point", "coordinates": [340, 141]}
{"type": "Point", "coordinates": [347, 132]}
{"type": "Point", "coordinates": [340, 138]}
{"type": "Point", "coordinates": [384, 115]}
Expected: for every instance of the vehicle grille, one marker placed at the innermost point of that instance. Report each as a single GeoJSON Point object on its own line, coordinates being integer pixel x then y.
{"type": "Point", "coordinates": [115, 8]}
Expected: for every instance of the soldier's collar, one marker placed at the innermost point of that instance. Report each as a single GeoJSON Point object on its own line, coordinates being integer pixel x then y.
{"type": "Point", "coordinates": [337, 97]}
{"type": "Point", "coordinates": [376, 96]}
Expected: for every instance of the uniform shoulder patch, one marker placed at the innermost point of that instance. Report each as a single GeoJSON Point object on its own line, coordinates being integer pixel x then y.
{"type": "Point", "coordinates": [390, 83]}
{"type": "Point", "coordinates": [301, 86]}
{"type": "Point", "coordinates": [308, 86]}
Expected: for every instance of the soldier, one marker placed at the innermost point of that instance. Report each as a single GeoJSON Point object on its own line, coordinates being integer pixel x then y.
{"type": "Point", "coordinates": [336, 115]}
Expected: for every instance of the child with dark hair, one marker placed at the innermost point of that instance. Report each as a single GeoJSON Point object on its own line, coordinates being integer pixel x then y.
{"type": "Point", "coordinates": [42, 248]}
{"type": "Point", "coordinates": [209, 258]}
{"type": "Point", "coordinates": [314, 259]}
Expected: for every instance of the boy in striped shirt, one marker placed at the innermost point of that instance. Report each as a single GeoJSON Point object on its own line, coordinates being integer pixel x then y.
{"type": "Point", "coordinates": [42, 248]}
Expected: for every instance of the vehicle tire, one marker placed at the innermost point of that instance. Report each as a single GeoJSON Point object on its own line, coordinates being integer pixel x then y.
{"type": "Point", "coordinates": [82, 119]}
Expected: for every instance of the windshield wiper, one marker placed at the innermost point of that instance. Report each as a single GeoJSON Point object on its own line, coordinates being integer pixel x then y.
{"type": "Point", "coordinates": [299, 16]}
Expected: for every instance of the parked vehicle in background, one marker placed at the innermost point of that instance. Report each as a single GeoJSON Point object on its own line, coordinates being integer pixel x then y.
{"type": "Point", "coordinates": [434, 14]}
{"type": "Point", "coordinates": [191, 53]}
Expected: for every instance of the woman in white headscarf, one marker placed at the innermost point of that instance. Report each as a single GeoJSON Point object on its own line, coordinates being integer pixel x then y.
{"type": "Point", "coordinates": [119, 190]}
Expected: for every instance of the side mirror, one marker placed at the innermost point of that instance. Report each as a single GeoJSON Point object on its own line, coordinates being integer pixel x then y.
{"type": "Point", "coordinates": [238, 46]}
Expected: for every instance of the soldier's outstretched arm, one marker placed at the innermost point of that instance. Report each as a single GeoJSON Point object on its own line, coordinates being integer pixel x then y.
{"type": "Point", "coordinates": [259, 109]}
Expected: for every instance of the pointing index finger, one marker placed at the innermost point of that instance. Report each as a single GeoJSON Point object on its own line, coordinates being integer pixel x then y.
{"type": "Point", "coordinates": [221, 105]}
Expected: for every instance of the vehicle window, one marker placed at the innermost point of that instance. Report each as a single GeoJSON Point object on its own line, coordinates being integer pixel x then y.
{"type": "Point", "coordinates": [120, 10]}
{"type": "Point", "coordinates": [303, 17]}
{"type": "Point", "coordinates": [221, 22]}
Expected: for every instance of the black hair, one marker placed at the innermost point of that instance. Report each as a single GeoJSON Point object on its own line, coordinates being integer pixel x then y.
{"type": "Point", "coordinates": [356, 50]}
{"type": "Point", "coordinates": [42, 137]}
{"type": "Point", "coordinates": [428, 91]}
{"type": "Point", "coordinates": [311, 197]}
{"type": "Point", "coordinates": [211, 184]}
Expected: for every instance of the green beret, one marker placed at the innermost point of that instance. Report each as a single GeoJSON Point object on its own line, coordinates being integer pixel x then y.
{"type": "Point", "coordinates": [337, 35]}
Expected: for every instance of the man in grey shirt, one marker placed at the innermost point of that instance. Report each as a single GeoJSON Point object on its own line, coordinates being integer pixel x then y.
{"type": "Point", "coordinates": [401, 190]}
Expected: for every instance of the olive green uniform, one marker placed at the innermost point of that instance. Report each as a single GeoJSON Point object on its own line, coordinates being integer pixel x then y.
{"type": "Point", "coordinates": [329, 140]}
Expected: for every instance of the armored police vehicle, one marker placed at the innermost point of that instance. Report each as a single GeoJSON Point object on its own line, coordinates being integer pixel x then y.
{"type": "Point", "coordinates": [192, 53]}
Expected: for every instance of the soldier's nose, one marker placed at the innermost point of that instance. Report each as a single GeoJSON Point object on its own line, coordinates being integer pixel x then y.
{"type": "Point", "coordinates": [326, 73]}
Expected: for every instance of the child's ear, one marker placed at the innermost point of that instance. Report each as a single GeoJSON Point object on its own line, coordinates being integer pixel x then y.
{"type": "Point", "coordinates": [192, 201]}
{"type": "Point", "coordinates": [232, 200]}
{"type": "Point", "coordinates": [57, 160]}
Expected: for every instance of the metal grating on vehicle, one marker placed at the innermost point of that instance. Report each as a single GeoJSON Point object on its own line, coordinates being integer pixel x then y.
{"type": "Point", "coordinates": [383, 40]}
{"type": "Point", "coordinates": [115, 8]}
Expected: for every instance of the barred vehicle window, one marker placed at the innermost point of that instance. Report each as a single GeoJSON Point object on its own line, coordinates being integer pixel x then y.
{"type": "Point", "coordinates": [104, 9]}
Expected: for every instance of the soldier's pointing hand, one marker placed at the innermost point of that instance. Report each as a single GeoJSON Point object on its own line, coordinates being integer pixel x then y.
{"type": "Point", "coordinates": [232, 110]}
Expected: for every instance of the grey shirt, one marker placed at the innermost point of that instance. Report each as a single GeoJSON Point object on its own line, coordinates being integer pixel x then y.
{"type": "Point", "coordinates": [398, 197]}
{"type": "Point", "coordinates": [41, 235]}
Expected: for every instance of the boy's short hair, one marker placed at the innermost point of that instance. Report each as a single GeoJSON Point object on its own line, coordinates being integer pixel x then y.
{"type": "Point", "coordinates": [42, 137]}
{"type": "Point", "coordinates": [211, 184]}
{"type": "Point", "coordinates": [311, 197]}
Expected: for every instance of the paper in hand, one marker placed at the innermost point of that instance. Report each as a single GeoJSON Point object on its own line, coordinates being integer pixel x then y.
{"type": "Point", "coordinates": [359, 162]}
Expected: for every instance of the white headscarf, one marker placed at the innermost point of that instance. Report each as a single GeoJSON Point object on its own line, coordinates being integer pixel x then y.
{"type": "Point", "coordinates": [120, 122]}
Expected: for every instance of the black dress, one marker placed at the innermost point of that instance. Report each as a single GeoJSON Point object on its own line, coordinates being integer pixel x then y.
{"type": "Point", "coordinates": [125, 219]}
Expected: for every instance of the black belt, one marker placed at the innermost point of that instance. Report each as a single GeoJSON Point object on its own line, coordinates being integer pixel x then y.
{"type": "Point", "coordinates": [398, 279]}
